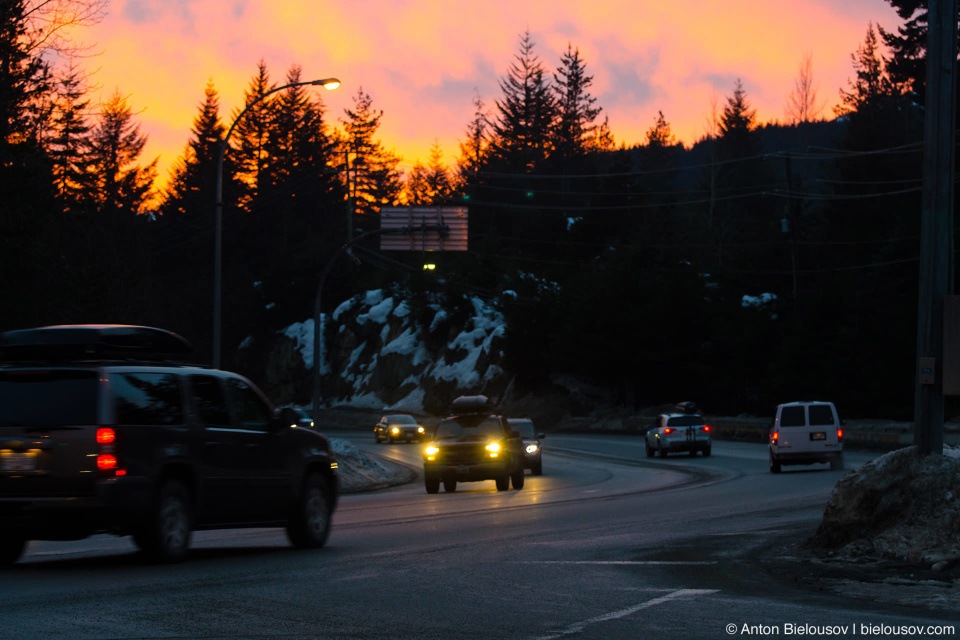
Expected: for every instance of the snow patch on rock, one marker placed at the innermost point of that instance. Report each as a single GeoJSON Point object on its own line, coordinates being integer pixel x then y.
{"type": "Point", "coordinates": [902, 506]}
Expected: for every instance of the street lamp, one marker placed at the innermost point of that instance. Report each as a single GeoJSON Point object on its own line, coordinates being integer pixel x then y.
{"type": "Point", "coordinates": [327, 83]}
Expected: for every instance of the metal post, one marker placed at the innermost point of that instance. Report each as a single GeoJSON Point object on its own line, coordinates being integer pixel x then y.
{"type": "Point", "coordinates": [936, 225]}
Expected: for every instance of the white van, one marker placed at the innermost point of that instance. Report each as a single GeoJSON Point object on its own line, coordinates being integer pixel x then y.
{"type": "Point", "coordinates": [806, 433]}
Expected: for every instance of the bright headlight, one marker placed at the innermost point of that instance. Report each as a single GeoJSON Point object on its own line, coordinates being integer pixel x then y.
{"type": "Point", "coordinates": [395, 430]}
{"type": "Point", "coordinates": [431, 450]}
{"type": "Point", "coordinates": [532, 448]}
{"type": "Point", "coordinates": [419, 429]}
{"type": "Point", "coordinates": [493, 447]}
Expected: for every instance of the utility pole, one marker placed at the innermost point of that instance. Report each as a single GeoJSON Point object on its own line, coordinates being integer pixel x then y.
{"type": "Point", "coordinates": [936, 224]}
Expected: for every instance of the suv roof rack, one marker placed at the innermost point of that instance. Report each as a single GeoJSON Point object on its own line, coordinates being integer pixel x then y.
{"type": "Point", "coordinates": [82, 342]}
{"type": "Point", "coordinates": [471, 405]}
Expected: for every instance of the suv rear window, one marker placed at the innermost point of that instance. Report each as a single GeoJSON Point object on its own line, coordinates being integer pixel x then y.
{"type": "Point", "coordinates": [685, 421]}
{"type": "Point", "coordinates": [468, 428]}
{"type": "Point", "coordinates": [793, 417]}
{"type": "Point", "coordinates": [820, 415]}
{"type": "Point", "coordinates": [51, 398]}
{"type": "Point", "coordinates": [147, 398]}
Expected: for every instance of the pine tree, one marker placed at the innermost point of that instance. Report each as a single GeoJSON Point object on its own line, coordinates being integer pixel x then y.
{"type": "Point", "coordinates": [375, 177]}
{"type": "Point", "coordinates": [193, 177]}
{"type": "Point", "coordinates": [473, 150]}
{"type": "Point", "coordinates": [574, 130]}
{"type": "Point", "coordinates": [526, 113]}
{"type": "Point", "coordinates": [249, 140]}
{"type": "Point", "coordinates": [438, 176]}
{"type": "Point", "coordinates": [873, 85]}
{"type": "Point", "coordinates": [417, 189]}
{"type": "Point", "coordinates": [116, 145]}
{"type": "Point", "coordinates": [907, 66]}
{"type": "Point", "coordinates": [69, 146]}
{"type": "Point", "coordinates": [659, 135]}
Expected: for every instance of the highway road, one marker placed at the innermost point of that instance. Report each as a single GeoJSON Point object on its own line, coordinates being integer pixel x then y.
{"type": "Point", "coordinates": [606, 544]}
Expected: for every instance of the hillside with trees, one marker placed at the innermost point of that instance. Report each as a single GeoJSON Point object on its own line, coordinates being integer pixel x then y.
{"type": "Point", "coordinates": [767, 261]}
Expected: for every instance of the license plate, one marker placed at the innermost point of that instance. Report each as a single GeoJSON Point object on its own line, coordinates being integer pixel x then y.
{"type": "Point", "coordinates": [12, 461]}
{"type": "Point", "coordinates": [818, 435]}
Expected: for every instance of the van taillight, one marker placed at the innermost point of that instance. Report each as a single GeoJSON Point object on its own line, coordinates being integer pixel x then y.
{"type": "Point", "coordinates": [839, 434]}
{"type": "Point", "coordinates": [106, 462]}
{"type": "Point", "coordinates": [105, 435]}
{"type": "Point", "coordinates": [774, 437]}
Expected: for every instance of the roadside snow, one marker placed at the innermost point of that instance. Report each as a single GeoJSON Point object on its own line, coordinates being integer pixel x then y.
{"type": "Point", "coordinates": [359, 471]}
{"type": "Point", "coordinates": [901, 506]}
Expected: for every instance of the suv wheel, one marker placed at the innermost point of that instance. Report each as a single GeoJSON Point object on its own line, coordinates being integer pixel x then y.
{"type": "Point", "coordinates": [449, 486]}
{"type": "Point", "coordinates": [517, 479]}
{"type": "Point", "coordinates": [662, 451]}
{"type": "Point", "coordinates": [706, 452]}
{"type": "Point", "coordinates": [648, 448]}
{"type": "Point", "coordinates": [11, 548]}
{"type": "Point", "coordinates": [537, 469]}
{"type": "Point", "coordinates": [166, 536]}
{"type": "Point", "coordinates": [310, 524]}
{"type": "Point", "coordinates": [432, 483]}
{"type": "Point", "coordinates": [503, 482]}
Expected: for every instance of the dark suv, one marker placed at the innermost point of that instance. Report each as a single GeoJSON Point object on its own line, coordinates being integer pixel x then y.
{"type": "Point", "coordinates": [103, 431]}
{"type": "Point", "coordinates": [473, 445]}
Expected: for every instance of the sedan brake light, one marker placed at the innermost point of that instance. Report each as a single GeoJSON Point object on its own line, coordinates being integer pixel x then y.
{"type": "Point", "coordinates": [706, 428]}
{"type": "Point", "coordinates": [668, 430]}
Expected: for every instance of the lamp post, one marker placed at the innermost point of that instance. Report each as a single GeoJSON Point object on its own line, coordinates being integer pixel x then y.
{"type": "Point", "coordinates": [327, 83]}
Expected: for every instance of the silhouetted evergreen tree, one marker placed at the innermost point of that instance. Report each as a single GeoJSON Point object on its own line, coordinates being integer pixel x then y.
{"type": "Point", "coordinates": [69, 146]}
{"type": "Point", "coordinates": [375, 177]}
{"type": "Point", "coordinates": [249, 141]}
{"type": "Point", "coordinates": [116, 144]}
{"type": "Point", "coordinates": [574, 128]}
{"type": "Point", "coordinates": [525, 114]}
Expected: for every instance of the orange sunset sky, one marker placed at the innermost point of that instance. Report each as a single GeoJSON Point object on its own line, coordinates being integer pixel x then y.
{"type": "Point", "coordinates": [422, 60]}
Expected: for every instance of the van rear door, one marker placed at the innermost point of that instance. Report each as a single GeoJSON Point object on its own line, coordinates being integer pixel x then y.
{"type": "Point", "coordinates": [48, 425]}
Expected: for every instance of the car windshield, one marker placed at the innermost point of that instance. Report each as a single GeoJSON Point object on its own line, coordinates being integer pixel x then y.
{"type": "Point", "coordinates": [468, 429]}
{"type": "Point", "coordinates": [685, 421]}
{"type": "Point", "coordinates": [48, 398]}
{"type": "Point", "coordinates": [400, 420]}
{"type": "Point", "coordinates": [523, 427]}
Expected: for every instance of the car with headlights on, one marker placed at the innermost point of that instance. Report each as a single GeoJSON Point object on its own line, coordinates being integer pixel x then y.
{"type": "Point", "coordinates": [532, 449]}
{"type": "Point", "coordinates": [396, 427]}
{"type": "Point", "coordinates": [673, 432]}
{"type": "Point", "coordinates": [471, 445]}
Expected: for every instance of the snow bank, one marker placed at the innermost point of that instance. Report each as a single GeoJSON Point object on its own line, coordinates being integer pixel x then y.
{"type": "Point", "coordinates": [360, 471]}
{"type": "Point", "coordinates": [901, 506]}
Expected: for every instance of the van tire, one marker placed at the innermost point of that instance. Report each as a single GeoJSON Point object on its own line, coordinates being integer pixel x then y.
{"type": "Point", "coordinates": [774, 465]}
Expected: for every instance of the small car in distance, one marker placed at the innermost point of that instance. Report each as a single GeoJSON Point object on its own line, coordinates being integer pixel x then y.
{"type": "Point", "coordinates": [532, 451]}
{"type": "Point", "coordinates": [678, 432]}
{"type": "Point", "coordinates": [396, 427]}
{"type": "Point", "coordinates": [806, 433]}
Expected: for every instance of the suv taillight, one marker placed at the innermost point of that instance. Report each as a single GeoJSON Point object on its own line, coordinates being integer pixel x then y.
{"type": "Point", "coordinates": [107, 462]}
{"type": "Point", "coordinates": [668, 430]}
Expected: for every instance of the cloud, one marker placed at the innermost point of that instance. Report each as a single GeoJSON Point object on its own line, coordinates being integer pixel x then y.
{"type": "Point", "coordinates": [422, 60]}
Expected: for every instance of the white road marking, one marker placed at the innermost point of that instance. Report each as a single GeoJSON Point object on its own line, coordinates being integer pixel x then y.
{"type": "Point", "coordinates": [577, 627]}
{"type": "Point", "coordinates": [620, 562]}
